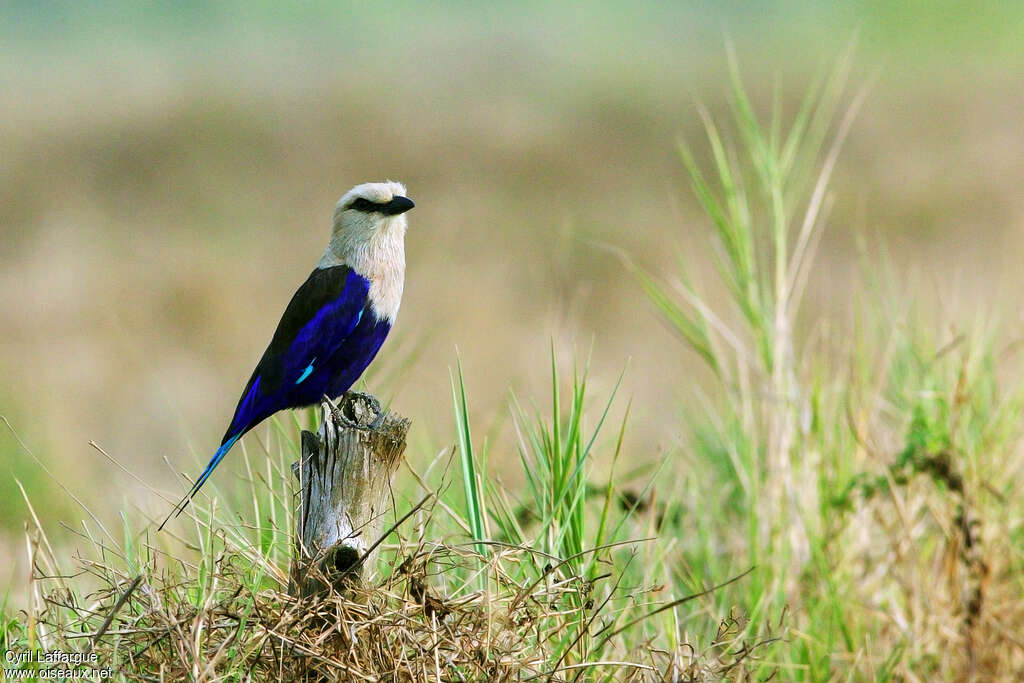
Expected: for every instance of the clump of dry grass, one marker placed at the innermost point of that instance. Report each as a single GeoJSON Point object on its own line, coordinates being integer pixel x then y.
{"type": "Point", "coordinates": [161, 625]}
{"type": "Point", "coordinates": [926, 533]}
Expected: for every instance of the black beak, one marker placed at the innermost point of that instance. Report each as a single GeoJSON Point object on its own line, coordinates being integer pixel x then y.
{"type": "Point", "coordinates": [396, 206]}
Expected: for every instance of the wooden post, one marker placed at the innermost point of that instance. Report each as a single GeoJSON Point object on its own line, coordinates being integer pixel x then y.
{"type": "Point", "coordinates": [344, 477]}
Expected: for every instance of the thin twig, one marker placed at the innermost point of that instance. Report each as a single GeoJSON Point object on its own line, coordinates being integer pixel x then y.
{"type": "Point", "coordinates": [676, 603]}
{"type": "Point", "coordinates": [113, 612]}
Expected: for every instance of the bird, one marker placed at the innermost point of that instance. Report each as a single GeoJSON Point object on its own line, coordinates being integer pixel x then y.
{"type": "Point", "coordinates": [336, 322]}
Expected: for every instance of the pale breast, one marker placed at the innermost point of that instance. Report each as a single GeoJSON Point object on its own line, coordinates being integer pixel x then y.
{"type": "Point", "coordinates": [382, 262]}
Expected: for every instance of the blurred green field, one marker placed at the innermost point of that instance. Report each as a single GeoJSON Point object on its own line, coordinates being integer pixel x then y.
{"type": "Point", "coordinates": [168, 171]}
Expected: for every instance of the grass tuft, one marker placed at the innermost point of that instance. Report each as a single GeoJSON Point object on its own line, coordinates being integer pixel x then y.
{"type": "Point", "coordinates": [856, 471]}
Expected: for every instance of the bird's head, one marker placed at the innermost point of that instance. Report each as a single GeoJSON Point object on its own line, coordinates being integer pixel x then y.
{"type": "Point", "coordinates": [367, 215]}
{"type": "Point", "coordinates": [372, 207]}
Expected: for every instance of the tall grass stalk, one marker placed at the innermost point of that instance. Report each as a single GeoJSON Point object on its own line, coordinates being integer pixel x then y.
{"type": "Point", "coordinates": [555, 456]}
{"type": "Point", "coordinates": [767, 214]}
{"type": "Point", "coordinates": [471, 479]}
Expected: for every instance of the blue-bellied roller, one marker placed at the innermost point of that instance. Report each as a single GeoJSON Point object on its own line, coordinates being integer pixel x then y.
{"type": "Point", "coordinates": [337, 320]}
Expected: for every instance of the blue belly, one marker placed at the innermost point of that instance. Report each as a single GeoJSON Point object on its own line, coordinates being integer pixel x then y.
{"type": "Point", "coordinates": [338, 373]}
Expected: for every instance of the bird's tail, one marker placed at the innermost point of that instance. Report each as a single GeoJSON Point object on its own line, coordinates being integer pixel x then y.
{"type": "Point", "coordinates": [217, 457]}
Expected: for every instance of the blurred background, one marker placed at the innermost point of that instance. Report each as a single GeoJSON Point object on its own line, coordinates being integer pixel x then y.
{"type": "Point", "coordinates": [168, 172]}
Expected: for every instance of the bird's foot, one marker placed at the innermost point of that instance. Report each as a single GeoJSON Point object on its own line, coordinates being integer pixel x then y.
{"type": "Point", "coordinates": [357, 423]}
{"type": "Point", "coordinates": [377, 421]}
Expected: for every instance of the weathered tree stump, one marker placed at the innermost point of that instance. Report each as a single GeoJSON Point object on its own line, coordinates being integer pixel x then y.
{"type": "Point", "coordinates": [344, 477]}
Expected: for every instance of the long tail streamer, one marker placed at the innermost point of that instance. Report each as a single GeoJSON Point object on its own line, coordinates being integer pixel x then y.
{"type": "Point", "coordinates": [217, 457]}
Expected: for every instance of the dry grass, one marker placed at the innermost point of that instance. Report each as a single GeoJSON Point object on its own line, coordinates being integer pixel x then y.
{"type": "Point", "coordinates": [403, 627]}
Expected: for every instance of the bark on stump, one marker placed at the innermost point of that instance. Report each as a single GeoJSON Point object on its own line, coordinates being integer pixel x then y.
{"type": "Point", "coordinates": [344, 478]}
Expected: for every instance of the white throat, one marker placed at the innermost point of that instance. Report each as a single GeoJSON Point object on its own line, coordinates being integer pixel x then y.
{"type": "Point", "coordinates": [374, 247]}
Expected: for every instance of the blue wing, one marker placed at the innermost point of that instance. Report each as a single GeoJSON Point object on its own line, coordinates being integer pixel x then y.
{"type": "Point", "coordinates": [296, 368]}
{"type": "Point", "coordinates": [304, 357]}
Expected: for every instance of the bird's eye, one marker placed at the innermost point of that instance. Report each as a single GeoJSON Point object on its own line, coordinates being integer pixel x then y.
{"type": "Point", "coordinates": [363, 204]}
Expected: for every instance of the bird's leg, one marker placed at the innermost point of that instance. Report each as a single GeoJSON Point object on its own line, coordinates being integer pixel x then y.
{"type": "Point", "coordinates": [337, 413]}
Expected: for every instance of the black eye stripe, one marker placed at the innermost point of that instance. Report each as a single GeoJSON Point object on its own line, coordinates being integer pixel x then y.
{"type": "Point", "coordinates": [394, 207]}
{"type": "Point", "coordinates": [365, 205]}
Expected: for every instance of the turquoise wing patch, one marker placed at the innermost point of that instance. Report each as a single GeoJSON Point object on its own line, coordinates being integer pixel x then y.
{"type": "Point", "coordinates": [307, 372]}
